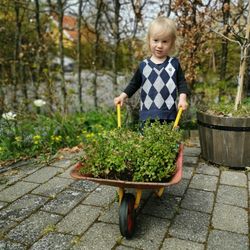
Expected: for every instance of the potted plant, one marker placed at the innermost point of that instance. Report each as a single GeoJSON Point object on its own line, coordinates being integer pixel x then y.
{"type": "Point", "coordinates": [225, 132]}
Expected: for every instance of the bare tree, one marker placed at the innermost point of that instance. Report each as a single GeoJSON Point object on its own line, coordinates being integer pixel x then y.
{"type": "Point", "coordinates": [99, 12]}
{"type": "Point", "coordinates": [79, 56]}
{"type": "Point", "coordinates": [16, 52]}
{"type": "Point", "coordinates": [224, 45]}
{"type": "Point", "coordinates": [60, 10]}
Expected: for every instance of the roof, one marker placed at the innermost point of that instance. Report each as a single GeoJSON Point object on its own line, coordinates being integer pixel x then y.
{"type": "Point", "coordinates": [70, 28]}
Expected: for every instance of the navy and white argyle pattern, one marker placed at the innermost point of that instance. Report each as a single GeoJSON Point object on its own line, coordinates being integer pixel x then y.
{"type": "Point", "coordinates": [158, 90]}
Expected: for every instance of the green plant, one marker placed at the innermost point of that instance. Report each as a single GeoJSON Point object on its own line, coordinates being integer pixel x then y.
{"type": "Point", "coordinates": [225, 108]}
{"type": "Point", "coordinates": [31, 135]}
{"type": "Point", "coordinates": [127, 155]}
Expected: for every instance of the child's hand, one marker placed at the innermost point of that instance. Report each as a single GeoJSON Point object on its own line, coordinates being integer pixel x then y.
{"type": "Point", "coordinates": [183, 102]}
{"type": "Point", "coordinates": [120, 99]}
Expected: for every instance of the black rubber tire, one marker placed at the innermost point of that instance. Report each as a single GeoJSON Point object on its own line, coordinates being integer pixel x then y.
{"type": "Point", "coordinates": [127, 216]}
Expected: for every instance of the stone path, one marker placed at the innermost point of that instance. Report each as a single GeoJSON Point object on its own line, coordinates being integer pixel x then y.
{"type": "Point", "coordinates": [42, 207]}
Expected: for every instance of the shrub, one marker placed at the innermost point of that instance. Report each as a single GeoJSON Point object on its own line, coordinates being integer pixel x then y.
{"type": "Point", "coordinates": [127, 155]}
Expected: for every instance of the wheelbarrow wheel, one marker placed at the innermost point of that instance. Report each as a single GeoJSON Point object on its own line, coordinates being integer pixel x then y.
{"type": "Point", "coordinates": [127, 216]}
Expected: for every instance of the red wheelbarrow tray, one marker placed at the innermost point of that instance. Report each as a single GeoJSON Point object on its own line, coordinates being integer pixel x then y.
{"type": "Point", "coordinates": [75, 173]}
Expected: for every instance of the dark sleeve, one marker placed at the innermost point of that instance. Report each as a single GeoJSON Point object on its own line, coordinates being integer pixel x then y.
{"type": "Point", "coordinates": [135, 84]}
{"type": "Point", "coordinates": [181, 82]}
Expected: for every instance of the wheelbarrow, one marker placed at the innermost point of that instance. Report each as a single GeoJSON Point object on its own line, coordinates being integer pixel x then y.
{"type": "Point", "coordinates": [128, 202]}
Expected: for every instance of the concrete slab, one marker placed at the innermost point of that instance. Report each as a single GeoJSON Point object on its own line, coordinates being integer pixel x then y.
{"type": "Point", "coordinates": [99, 236]}
{"type": "Point", "coordinates": [231, 195]}
{"type": "Point", "coordinates": [16, 191]}
{"type": "Point", "coordinates": [190, 225]}
{"type": "Point", "coordinates": [31, 229]}
{"type": "Point", "coordinates": [230, 218]}
{"type": "Point", "coordinates": [198, 200]}
{"type": "Point", "coordinates": [233, 178]}
{"type": "Point", "coordinates": [204, 182]}
{"type": "Point", "coordinates": [177, 244]}
{"type": "Point", "coordinates": [224, 240]}
{"type": "Point", "coordinates": [78, 220]}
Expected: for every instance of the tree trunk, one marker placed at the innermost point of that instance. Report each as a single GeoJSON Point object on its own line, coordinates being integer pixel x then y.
{"type": "Point", "coordinates": [117, 43]}
{"type": "Point", "coordinates": [79, 56]}
{"type": "Point", "coordinates": [2, 101]}
{"type": "Point", "coordinates": [16, 55]}
{"type": "Point", "coordinates": [243, 62]}
{"type": "Point", "coordinates": [61, 53]}
{"type": "Point", "coordinates": [38, 56]}
{"type": "Point", "coordinates": [224, 44]}
{"type": "Point", "coordinates": [96, 50]}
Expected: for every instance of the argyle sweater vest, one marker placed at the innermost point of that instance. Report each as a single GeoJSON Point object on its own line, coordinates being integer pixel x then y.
{"type": "Point", "coordinates": [158, 89]}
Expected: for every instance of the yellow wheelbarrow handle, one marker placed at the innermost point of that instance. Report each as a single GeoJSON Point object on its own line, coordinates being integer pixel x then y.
{"type": "Point", "coordinates": [118, 108]}
{"type": "Point", "coordinates": [178, 117]}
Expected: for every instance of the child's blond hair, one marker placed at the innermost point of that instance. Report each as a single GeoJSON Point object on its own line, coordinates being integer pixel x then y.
{"type": "Point", "coordinates": [165, 26]}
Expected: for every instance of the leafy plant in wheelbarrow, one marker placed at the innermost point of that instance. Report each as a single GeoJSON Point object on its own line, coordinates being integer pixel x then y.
{"type": "Point", "coordinates": [122, 154]}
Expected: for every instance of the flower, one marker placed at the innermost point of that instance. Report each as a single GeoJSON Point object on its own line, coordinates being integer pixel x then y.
{"type": "Point", "coordinates": [39, 102]}
{"type": "Point", "coordinates": [56, 138]}
{"type": "Point", "coordinates": [18, 138]}
{"type": "Point", "coordinates": [9, 116]}
{"type": "Point", "coordinates": [36, 139]}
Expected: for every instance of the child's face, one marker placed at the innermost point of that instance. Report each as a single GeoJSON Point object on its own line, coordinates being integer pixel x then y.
{"type": "Point", "coordinates": [160, 44]}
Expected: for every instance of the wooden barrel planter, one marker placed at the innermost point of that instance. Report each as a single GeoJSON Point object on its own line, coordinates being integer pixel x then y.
{"type": "Point", "coordinates": [224, 140]}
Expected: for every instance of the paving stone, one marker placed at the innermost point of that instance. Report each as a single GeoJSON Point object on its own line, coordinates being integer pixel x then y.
{"type": "Point", "coordinates": [164, 207]}
{"type": "Point", "coordinates": [205, 168]}
{"type": "Point", "coordinates": [22, 207]}
{"type": "Point", "coordinates": [204, 182]}
{"type": "Point", "coordinates": [191, 151]}
{"type": "Point", "coordinates": [64, 201]}
{"type": "Point", "coordinates": [230, 218]}
{"type": "Point", "coordinates": [8, 245]}
{"type": "Point", "coordinates": [78, 220]}
{"type": "Point", "coordinates": [53, 186]}
{"type": "Point", "coordinates": [190, 160]}
{"type": "Point", "coordinates": [234, 178]}
{"type": "Point", "coordinates": [102, 196]}
{"type": "Point", "coordinates": [190, 225]}
{"type": "Point", "coordinates": [66, 173]}
{"type": "Point", "coordinates": [198, 200]}
{"type": "Point", "coordinates": [64, 163]}
{"type": "Point", "coordinates": [177, 244]}
{"type": "Point", "coordinates": [84, 186]}
{"type": "Point", "coordinates": [187, 172]}
{"type": "Point", "coordinates": [54, 241]}
{"type": "Point", "coordinates": [3, 204]}
{"type": "Point", "coordinates": [110, 215]}
{"type": "Point", "coordinates": [231, 195]}
{"type": "Point", "coordinates": [121, 247]}
{"type": "Point", "coordinates": [42, 175]}
{"type": "Point", "coordinates": [223, 240]}
{"type": "Point", "coordinates": [6, 225]}
{"type": "Point", "coordinates": [16, 191]}
{"type": "Point", "coordinates": [15, 175]}
{"type": "Point", "coordinates": [31, 229]}
{"type": "Point", "coordinates": [178, 189]}
{"type": "Point", "coordinates": [149, 233]}
{"type": "Point", "coordinates": [99, 236]}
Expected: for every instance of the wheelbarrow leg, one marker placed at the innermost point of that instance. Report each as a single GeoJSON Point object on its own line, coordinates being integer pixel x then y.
{"type": "Point", "coordinates": [160, 192]}
{"type": "Point", "coordinates": [120, 194]}
{"type": "Point", "coordinates": [138, 198]}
